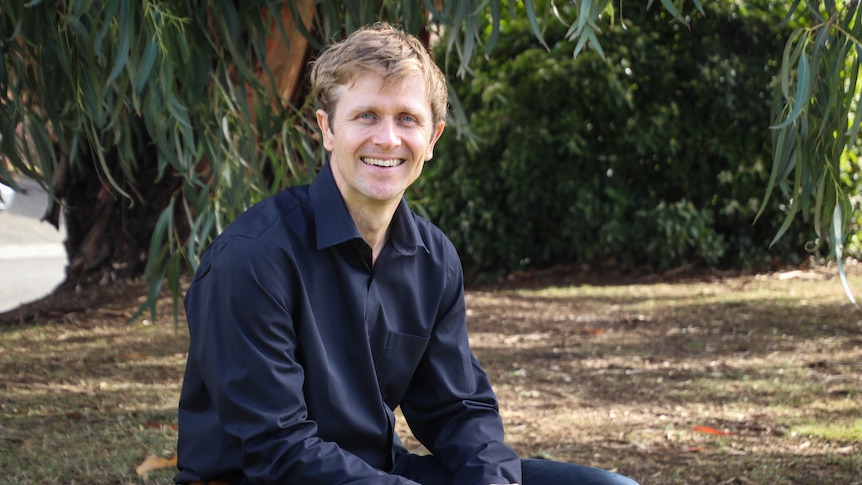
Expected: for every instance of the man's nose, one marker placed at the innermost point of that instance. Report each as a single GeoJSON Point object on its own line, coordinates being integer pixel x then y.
{"type": "Point", "coordinates": [386, 133]}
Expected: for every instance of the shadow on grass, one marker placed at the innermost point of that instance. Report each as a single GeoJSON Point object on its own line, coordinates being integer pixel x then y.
{"type": "Point", "coordinates": [635, 370]}
{"type": "Point", "coordinates": [732, 380]}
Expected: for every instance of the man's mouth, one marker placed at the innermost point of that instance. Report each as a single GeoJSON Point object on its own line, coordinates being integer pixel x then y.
{"type": "Point", "coordinates": [379, 162]}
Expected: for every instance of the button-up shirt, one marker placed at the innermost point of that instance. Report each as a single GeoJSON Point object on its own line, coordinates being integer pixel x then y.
{"type": "Point", "coordinates": [300, 350]}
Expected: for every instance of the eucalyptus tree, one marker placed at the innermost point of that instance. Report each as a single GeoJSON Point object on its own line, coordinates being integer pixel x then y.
{"type": "Point", "coordinates": [816, 120]}
{"type": "Point", "coordinates": [153, 124]}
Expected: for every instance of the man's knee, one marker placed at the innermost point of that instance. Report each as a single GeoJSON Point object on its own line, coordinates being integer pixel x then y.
{"type": "Point", "coordinates": [548, 472]}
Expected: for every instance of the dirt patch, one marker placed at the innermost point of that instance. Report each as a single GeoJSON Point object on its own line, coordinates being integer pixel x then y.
{"type": "Point", "coordinates": [122, 295]}
{"type": "Point", "coordinates": [675, 378]}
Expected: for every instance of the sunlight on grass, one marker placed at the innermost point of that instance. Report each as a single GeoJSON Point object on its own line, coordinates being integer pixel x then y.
{"type": "Point", "coordinates": [840, 431]}
{"type": "Point", "coordinates": [622, 376]}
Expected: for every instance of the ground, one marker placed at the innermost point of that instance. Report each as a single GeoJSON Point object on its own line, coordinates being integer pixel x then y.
{"type": "Point", "coordinates": [69, 300]}
{"type": "Point", "coordinates": [710, 378]}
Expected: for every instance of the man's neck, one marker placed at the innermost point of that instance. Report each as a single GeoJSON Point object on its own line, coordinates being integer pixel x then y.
{"type": "Point", "coordinates": [373, 223]}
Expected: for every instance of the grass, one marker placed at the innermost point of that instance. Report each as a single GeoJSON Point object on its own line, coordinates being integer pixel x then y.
{"type": "Point", "coordinates": [843, 430]}
{"type": "Point", "coordinates": [87, 398]}
{"type": "Point", "coordinates": [717, 380]}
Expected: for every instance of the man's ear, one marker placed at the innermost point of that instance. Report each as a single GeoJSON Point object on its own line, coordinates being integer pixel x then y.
{"type": "Point", "coordinates": [438, 130]}
{"type": "Point", "coordinates": [325, 129]}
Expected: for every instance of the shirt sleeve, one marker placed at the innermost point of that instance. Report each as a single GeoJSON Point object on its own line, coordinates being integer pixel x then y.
{"type": "Point", "coordinates": [244, 345]}
{"type": "Point", "coordinates": [450, 405]}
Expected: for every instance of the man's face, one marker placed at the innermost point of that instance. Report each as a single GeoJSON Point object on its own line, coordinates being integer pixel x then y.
{"type": "Point", "coordinates": [379, 139]}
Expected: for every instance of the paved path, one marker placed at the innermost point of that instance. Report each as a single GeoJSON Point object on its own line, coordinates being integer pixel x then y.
{"type": "Point", "coordinates": [32, 257]}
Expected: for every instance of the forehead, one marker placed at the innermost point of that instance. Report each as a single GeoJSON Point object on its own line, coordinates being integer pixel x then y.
{"type": "Point", "coordinates": [372, 90]}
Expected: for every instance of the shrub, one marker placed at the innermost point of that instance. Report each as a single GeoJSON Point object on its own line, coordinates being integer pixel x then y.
{"type": "Point", "coordinates": [655, 157]}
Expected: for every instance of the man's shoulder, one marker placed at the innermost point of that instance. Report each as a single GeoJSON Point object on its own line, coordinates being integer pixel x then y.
{"type": "Point", "coordinates": [425, 226]}
{"type": "Point", "coordinates": [432, 235]}
{"type": "Point", "coordinates": [271, 222]}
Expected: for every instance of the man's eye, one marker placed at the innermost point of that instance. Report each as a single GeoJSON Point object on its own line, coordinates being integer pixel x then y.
{"type": "Point", "coordinates": [408, 119]}
{"type": "Point", "coordinates": [366, 116]}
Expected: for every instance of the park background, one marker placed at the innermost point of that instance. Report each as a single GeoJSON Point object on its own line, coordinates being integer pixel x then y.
{"type": "Point", "coordinates": [632, 313]}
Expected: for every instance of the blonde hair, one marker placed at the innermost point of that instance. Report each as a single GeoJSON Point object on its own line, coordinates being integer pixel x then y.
{"type": "Point", "coordinates": [383, 49]}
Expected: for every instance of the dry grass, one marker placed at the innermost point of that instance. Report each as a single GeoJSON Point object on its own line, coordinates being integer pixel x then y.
{"type": "Point", "coordinates": [712, 380]}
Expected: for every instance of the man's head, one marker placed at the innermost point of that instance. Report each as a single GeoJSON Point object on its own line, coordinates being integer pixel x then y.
{"type": "Point", "coordinates": [384, 50]}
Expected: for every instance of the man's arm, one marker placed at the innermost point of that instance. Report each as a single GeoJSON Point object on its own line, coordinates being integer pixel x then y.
{"type": "Point", "coordinates": [451, 406]}
{"type": "Point", "coordinates": [243, 345]}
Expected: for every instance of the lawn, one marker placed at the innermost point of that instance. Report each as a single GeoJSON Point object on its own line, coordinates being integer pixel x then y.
{"type": "Point", "coordinates": [707, 379]}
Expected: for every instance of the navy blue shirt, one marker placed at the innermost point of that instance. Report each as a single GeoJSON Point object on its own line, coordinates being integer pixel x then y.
{"type": "Point", "coordinates": [300, 351]}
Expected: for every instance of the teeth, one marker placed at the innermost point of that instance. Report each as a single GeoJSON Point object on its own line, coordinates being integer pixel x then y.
{"type": "Point", "coordinates": [377, 162]}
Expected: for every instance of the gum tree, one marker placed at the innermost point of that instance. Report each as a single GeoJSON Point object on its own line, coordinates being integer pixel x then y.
{"type": "Point", "coordinates": [153, 124]}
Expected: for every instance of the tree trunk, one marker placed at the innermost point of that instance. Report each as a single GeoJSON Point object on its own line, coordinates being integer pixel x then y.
{"type": "Point", "coordinates": [109, 233]}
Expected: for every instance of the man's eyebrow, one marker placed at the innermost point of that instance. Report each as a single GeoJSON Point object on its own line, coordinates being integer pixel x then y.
{"type": "Point", "coordinates": [365, 108]}
{"type": "Point", "coordinates": [359, 109]}
{"type": "Point", "coordinates": [415, 111]}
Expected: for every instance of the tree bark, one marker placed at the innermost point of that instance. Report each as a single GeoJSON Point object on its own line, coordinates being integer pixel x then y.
{"type": "Point", "coordinates": [108, 233]}
{"type": "Point", "coordinates": [287, 58]}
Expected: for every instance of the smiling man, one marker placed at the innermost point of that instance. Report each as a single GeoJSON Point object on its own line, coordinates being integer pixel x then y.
{"type": "Point", "coordinates": [386, 132]}
{"type": "Point", "coordinates": [321, 310]}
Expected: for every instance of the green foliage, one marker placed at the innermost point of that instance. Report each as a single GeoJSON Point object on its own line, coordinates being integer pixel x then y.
{"type": "Point", "coordinates": [177, 89]}
{"type": "Point", "coordinates": [181, 90]}
{"type": "Point", "coordinates": [681, 232]}
{"type": "Point", "coordinates": [105, 81]}
{"type": "Point", "coordinates": [816, 122]}
{"type": "Point", "coordinates": [655, 155]}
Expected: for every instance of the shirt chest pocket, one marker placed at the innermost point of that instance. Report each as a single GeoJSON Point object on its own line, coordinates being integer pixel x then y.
{"type": "Point", "coordinates": [401, 356]}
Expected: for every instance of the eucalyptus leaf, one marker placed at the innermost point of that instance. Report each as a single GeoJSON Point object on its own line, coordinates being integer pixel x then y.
{"type": "Point", "coordinates": [803, 92]}
{"type": "Point", "coordinates": [837, 245]}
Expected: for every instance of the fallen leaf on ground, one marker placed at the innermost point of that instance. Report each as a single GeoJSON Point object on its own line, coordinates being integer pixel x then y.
{"type": "Point", "coordinates": [709, 430]}
{"type": "Point", "coordinates": [152, 462]}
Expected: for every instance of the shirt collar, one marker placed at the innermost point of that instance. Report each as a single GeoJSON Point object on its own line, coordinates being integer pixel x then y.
{"type": "Point", "coordinates": [333, 224]}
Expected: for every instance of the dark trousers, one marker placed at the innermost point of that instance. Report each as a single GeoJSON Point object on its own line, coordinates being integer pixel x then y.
{"type": "Point", "coordinates": [428, 471]}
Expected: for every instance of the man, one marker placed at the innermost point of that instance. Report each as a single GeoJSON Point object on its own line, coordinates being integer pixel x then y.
{"type": "Point", "coordinates": [324, 308]}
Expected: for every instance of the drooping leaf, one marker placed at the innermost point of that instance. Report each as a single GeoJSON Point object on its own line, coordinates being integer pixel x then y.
{"type": "Point", "coordinates": [531, 16]}
{"type": "Point", "coordinates": [152, 463]}
{"type": "Point", "coordinates": [838, 247]}
{"type": "Point", "coordinates": [803, 92]}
